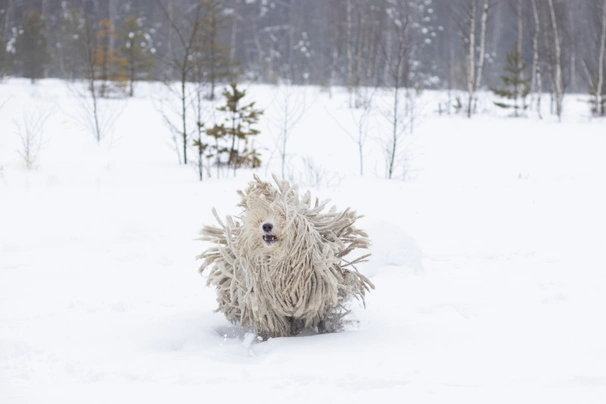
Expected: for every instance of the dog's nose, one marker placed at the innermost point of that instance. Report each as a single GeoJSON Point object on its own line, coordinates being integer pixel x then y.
{"type": "Point", "coordinates": [267, 227]}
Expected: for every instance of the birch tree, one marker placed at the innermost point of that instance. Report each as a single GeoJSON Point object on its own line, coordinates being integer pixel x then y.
{"type": "Point", "coordinates": [599, 91]}
{"type": "Point", "coordinates": [482, 53]}
{"type": "Point", "coordinates": [558, 80]}
{"type": "Point", "coordinates": [519, 45]}
{"type": "Point", "coordinates": [476, 48]}
{"type": "Point", "coordinates": [471, 66]}
{"type": "Point", "coordinates": [537, 81]}
{"type": "Point", "coordinates": [595, 78]}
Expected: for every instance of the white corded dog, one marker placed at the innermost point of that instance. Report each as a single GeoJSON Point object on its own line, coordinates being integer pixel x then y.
{"type": "Point", "coordinates": [280, 266]}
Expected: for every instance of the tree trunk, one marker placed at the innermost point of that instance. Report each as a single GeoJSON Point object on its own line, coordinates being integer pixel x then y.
{"type": "Point", "coordinates": [10, 10]}
{"type": "Point", "coordinates": [212, 73]}
{"type": "Point", "coordinates": [559, 90]}
{"type": "Point", "coordinates": [349, 51]}
{"type": "Point", "coordinates": [394, 140]}
{"type": "Point", "coordinates": [232, 152]}
{"type": "Point", "coordinates": [92, 79]}
{"type": "Point", "coordinates": [549, 57]}
{"type": "Point", "coordinates": [573, 53]}
{"type": "Point", "coordinates": [482, 46]}
{"type": "Point", "coordinates": [471, 66]}
{"type": "Point", "coordinates": [599, 100]}
{"type": "Point", "coordinates": [396, 108]}
{"type": "Point", "coordinates": [184, 110]}
{"type": "Point", "coordinates": [537, 82]}
{"type": "Point", "coordinates": [519, 49]}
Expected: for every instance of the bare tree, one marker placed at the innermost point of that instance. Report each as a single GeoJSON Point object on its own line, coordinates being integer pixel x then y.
{"type": "Point", "coordinates": [201, 112]}
{"type": "Point", "coordinates": [96, 114]}
{"type": "Point", "coordinates": [291, 105]}
{"type": "Point", "coordinates": [520, 40]}
{"type": "Point", "coordinates": [31, 133]}
{"type": "Point", "coordinates": [185, 26]}
{"type": "Point", "coordinates": [361, 117]}
{"type": "Point", "coordinates": [599, 91]}
{"type": "Point", "coordinates": [317, 176]}
{"type": "Point", "coordinates": [474, 76]}
{"type": "Point", "coordinates": [397, 52]}
{"type": "Point", "coordinates": [537, 81]}
{"type": "Point", "coordinates": [595, 76]}
{"type": "Point", "coordinates": [558, 79]}
{"type": "Point", "coordinates": [482, 53]}
{"type": "Point", "coordinates": [466, 16]}
{"type": "Point", "coordinates": [90, 43]}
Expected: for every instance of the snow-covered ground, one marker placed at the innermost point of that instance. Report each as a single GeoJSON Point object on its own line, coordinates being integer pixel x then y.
{"type": "Point", "coordinates": [488, 260]}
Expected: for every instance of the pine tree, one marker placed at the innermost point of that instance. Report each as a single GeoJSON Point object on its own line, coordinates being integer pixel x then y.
{"type": "Point", "coordinates": [237, 129]}
{"type": "Point", "coordinates": [514, 88]}
{"type": "Point", "coordinates": [31, 53]}
{"type": "Point", "coordinates": [136, 51]}
{"type": "Point", "coordinates": [214, 62]}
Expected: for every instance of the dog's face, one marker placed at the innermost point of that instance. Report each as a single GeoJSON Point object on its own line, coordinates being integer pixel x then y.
{"type": "Point", "coordinates": [264, 225]}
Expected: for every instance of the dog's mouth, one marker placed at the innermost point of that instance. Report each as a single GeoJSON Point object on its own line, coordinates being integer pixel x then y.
{"type": "Point", "coordinates": [269, 239]}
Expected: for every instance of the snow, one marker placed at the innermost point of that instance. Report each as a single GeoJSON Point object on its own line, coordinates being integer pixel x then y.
{"type": "Point", "coordinates": [488, 260]}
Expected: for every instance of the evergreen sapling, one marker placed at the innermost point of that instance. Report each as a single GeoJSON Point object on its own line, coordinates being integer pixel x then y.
{"type": "Point", "coordinates": [515, 88]}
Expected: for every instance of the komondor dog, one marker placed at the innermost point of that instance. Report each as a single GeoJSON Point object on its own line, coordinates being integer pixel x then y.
{"type": "Point", "coordinates": [280, 267]}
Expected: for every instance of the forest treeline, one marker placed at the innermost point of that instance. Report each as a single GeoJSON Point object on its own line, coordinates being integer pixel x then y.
{"type": "Point", "coordinates": [443, 44]}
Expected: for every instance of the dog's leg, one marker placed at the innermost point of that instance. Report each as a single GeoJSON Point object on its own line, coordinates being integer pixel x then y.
{"type": "Point", "coordinates": [296, 325]}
